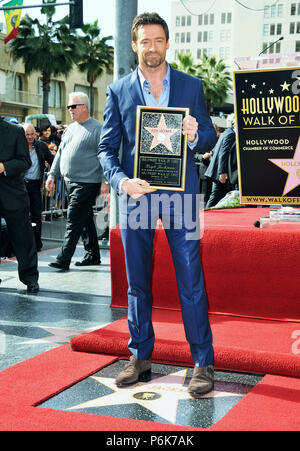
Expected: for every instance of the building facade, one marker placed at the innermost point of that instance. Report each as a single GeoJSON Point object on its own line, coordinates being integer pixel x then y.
{"type": "Point", "coordinates": [21, 94]}
{"type": "Point", "coordinates": [229, 31]}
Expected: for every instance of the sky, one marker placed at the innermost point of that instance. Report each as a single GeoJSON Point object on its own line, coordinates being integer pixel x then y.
{"type": "Point", "coordinates": [104, 11]}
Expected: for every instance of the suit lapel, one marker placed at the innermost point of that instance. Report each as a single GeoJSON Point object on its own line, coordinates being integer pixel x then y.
{"type": "Point", "coordinates": [175, 89]}
{"type": "Point", "coordinates": [135, 89]}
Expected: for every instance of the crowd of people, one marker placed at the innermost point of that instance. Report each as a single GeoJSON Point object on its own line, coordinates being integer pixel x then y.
{"type": "Point", "coordinates": [217, 172]}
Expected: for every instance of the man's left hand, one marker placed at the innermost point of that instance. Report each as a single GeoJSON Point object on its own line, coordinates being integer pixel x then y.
{"type": "Point", "coordinates": [190, 128]}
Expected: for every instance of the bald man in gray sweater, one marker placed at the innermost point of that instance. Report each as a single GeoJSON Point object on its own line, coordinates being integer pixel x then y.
{"type": "Point", "coordinates": [76, 161]}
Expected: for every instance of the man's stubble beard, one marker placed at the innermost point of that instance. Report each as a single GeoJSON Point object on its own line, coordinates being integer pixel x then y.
{"type": "Point", "coordinates": [158, 61]}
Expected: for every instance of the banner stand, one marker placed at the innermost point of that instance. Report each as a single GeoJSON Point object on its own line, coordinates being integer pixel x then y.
{"type": "Point", "coordinates": [267, 107]}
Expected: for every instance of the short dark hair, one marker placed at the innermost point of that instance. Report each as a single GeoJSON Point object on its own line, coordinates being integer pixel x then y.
{"type": "Point", "coordinates": [148, 19]}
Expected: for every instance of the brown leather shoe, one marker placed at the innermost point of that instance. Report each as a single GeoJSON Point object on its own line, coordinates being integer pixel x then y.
{"type": "Point", "coordinates": [202, 381]}
{"type": "Point", "coordinates": [133, 371]}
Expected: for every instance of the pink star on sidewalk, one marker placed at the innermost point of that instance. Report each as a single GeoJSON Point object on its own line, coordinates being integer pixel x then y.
{"type": "Point", "coordinates": [292, 167]}
{"type": "Point", "coordinates": [162, 134]}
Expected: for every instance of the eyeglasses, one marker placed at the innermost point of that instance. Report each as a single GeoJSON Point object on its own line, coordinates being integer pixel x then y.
{"type": "Point", "coordinates": [73, 107]}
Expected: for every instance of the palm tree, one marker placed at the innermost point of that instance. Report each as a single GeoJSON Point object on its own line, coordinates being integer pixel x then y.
{"type": "Point", "coordinates": [216, 80]}
{"type": "Point", "coordinates": [215, 77]}
{"type": "Point", "coordinates": [186, 63]}
{"type": "Point", "coordinates": [97, 56]}
{"type": "Point", "coordinates": [50, 48]}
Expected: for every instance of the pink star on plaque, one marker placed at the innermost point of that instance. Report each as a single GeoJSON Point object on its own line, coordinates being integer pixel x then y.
{"type": "Point", "coordinates": [292, 167]}
{"type": "Point", "coordinates": [162, 134]}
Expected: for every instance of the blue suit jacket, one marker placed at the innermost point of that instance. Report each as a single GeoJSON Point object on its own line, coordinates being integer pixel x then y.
{"type": "Point", "coordinates": [123, 96]}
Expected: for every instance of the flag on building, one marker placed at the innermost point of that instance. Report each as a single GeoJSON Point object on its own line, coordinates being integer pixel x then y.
{"type": "Point", "coordinates": [13, 19]}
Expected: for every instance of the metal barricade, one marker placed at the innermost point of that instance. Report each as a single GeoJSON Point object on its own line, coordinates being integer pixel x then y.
{"type": "Point", "coordinates": [54, 213]}
{"type": "Point", "coordinates": [55, 205]}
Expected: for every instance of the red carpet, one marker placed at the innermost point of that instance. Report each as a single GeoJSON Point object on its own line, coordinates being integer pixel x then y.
{"type": "Point", "coordinates": [274, 404]}
{"type": "Point", "coordinates": [251, 278]}
{"type": "Point", "coordinates": [248, 271]}
{"type": "Point", "coordinates": [245, 345]}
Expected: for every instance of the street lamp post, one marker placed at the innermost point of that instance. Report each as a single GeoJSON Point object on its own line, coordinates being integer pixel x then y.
{"type": "Point", "coordinates": [126, 10]}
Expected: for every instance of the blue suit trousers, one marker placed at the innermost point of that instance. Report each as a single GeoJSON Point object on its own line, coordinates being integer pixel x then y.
{"type": "Point", "coordinates": [138, 247]}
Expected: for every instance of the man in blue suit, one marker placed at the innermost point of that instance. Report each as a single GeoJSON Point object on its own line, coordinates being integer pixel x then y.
{"type": "Point", "coordinates": [155, 83]}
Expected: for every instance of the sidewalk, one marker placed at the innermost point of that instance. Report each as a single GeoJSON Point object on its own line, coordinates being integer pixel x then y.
{"type": "Point", "coordinates": [69, 303]}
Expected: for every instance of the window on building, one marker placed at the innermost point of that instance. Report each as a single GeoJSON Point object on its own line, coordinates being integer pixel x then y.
{"type": "Point", "coordinates": [293, 9]}
{"type": "Point", "coordinates": [267, 12]}
{"type": "Point", "coordinates": [205, 19]}
{"type": "Point", "coordinates": [55, 93]}
{"type": "Point", "coordinates": [298, 27]}
{"type": "Point", "coordinates": [273, 10]}
{"type": "Point", "coordinates": [297, 48]}
{"type": "Point", "coordinates": [55, 97]}
{"type": "Point", "coordinates": [188, 37]}
{"type": "Point", "coordinates": [200, 19]}
{"type": "Point", "coordinates": [298, 9]}
{"type": "Point", "coordinates": [265, 45]}
{"type": "Point", "coordinates": [189, 21]}
{"type": "Point", "coordinates": [211, 36]}
{"type": "Point", "coordinates": [212, 19]}
{"type": "Point", "coordinates": [271, 49]}
{"type": "Point", "coordinates": [266, 29]}
{"type": "Point", "coordinates": [199, 36]}
{"type": "Point", "coordinates": [278, 47]}
{"type": "Point", "coordinates": [176, 55]}
{"type": "Point", "coordinates": [199, 52]}
{"type": "Point", "coordinates": [204, 52]}
{"type": "Point", "coordinates": [177, 21]}
{"type": "Point", "coordinates": [272, 29]}
{"type": "Point", "coordinates": [177, 38]}
{"type": "Point", "coordinates": [229, 17]}
{"type": "Point", "coordinates": [210, 52]}
{"type": "Point", "coordinates": [227, 52]}
{"type": "Point", "coordinates": [292, 27]}
{"type": "Point", "coordinates": [183, 21]}
{"type": "Point", "coordinates": [182, 39]}
{"type": "Point", "coordinates": [280, 10]}
{"type": "Point", "coordinates": [222, 52]}
{"type": "Point", "coordinates": [18, 83]}
{"type": "Point", "coordinates": [223, 18]}
{"type": "Point", "coordinates": [205, 36]}
{"type": "Point", "coordinates": [222, 35]}
{"type": "Point", "coordinates": [279, 28]}
{"type": "Point", "coordinates": [14, 81]}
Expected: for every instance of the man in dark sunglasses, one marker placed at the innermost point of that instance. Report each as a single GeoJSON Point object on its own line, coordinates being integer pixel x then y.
{"type": "Point", "coordinates": [76, 161]}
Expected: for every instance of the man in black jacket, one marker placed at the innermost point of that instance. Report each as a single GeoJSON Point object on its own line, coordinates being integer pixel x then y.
{"type": "Point", "coordinates": [218, 168]}
{"type": "Point", "coordinates": [14, 201]}
{"type": "Point", "coordinates": [34, 176]}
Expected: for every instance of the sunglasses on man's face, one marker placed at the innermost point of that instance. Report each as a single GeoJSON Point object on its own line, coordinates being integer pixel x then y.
{"type": "Point", "coordinates": [73, 107]}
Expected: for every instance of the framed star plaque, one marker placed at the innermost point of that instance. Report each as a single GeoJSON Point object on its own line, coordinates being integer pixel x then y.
{"type": "Point", "coordinates": [161, 149]}
{"type": "Point", "coordinates": [267, 105]}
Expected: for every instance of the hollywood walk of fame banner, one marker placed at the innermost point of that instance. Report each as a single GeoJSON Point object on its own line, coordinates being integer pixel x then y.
{"type": "Point", "coordinates": [161, 149]}
{"type": "Point", "coordinates": [267, 106]}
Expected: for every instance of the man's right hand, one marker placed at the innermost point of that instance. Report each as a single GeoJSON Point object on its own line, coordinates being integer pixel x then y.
{"type": "Point", "coordinates": [136, 188]}
{"type": "Point", "coordinates": [49, 183]}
